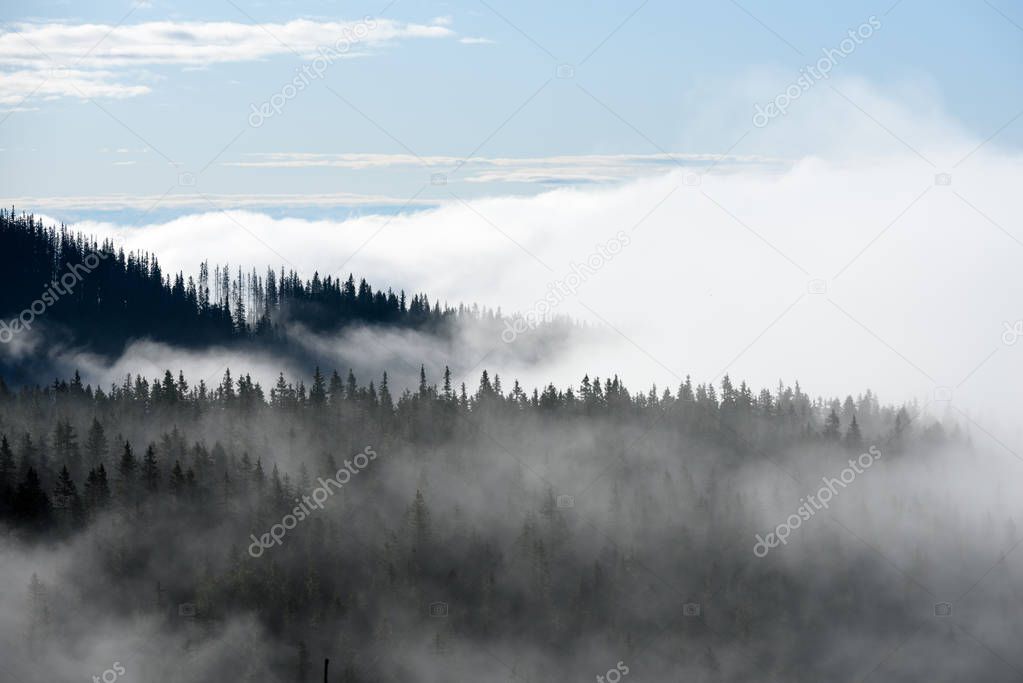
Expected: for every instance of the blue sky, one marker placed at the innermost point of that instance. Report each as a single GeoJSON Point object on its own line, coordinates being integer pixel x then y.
{"type": "Point", "coordinates": [451, 79]}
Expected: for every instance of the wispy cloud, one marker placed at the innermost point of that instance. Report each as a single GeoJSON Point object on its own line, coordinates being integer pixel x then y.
{"type": "Point", "coordinates": [18, 86]}
{"type": "Point", "coordinates": [545, 170]}
{"type": "Point", "coordinates": [118, 202]}
{"type": "Point", "coordinates": [827, 218]}
{"type": "Point", "coordinates": [48, 60]}
{"type": "Point", "coordinates": [192, 43]}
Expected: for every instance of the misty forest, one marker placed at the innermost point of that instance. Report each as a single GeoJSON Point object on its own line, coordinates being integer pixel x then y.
{"type": "Point", "coordinates": [466, 527]}
{"type": "Point", "coordinates": [511, 341]}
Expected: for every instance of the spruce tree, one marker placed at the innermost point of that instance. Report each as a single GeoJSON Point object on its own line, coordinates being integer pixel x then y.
{"type": "Point", "coordinates": [150, 471]}
{"type": "Point", "coordinates": [318, 391]}
{"type": "Point", "coordinates": [95, 444]}
{"type": "Point", "coordinates": [853, 438]}
{"type": "Point", "coordinates": [31, 506]}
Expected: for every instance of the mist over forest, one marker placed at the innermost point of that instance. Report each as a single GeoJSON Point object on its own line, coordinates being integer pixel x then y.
{"type": "Point", "coordinates": [493, 341]}
{"type": "Point", "coordinates": [455, 524]}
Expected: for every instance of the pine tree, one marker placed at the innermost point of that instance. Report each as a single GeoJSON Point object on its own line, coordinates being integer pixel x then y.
{"type": "Point", "coordinates": [65, 499]}
{"type": "Point", "coordinates": [177, 480]}
{"type": "Point", "coordinates": [259, 477]}
{"type": "Point", "coordinates": [226, 389]}
{"type": "Point", "coordinates": [126, 475]}
{"type": "Point", "coordinates": [318, 392]}
{"type": "Point", "coordinates": [31, 506]}
{"type": "Point", "coordinates": [386, 402]}
{"type": "Point", "coordinates": [419, 521]}
{"type": "Point", "coordinates": [853, 438]}
{"type": "Point", "coordinates": [241, 319]}
{"type": "Point", "coordinates": [8, 470]}
{"type": "Point", "coordinates": [95, 444]}
{"type": "Point", "coordinates": [351, 386]}
{"type": "Point", "coordinates": [336, 390]}
{"type": "Point", "coordinates": [832, 427]}
{"type": "Point", "coordinates": [65, 446]}
{"type": "Point", "coordinates": [150, 471]}
{"type": "Point", "coordinates": [97, 489]}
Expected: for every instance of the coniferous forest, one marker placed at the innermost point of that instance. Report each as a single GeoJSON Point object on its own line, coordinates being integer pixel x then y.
{"type": "Point", "coordinates": [466, 527]}
{"type": "Point", "coordinates": [129, 296]}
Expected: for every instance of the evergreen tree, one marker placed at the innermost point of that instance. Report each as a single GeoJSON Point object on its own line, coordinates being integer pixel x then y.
{"type": "Point", "coordinates": [386, 402]}
{"type": "Point", "coordinates": [351, 386]}
{"type": "Point", "coordinates": [31, 506]}
{"type": "Point", "coordinates": [832, 426]}
{"type": "Point", "coordinates": [337, 389]}
{"type": "Point", "coordinates": [8, 470]}
{"type": "Point", "coordinates": [95, 444]}
{"type": "Point", "coordinates": [177, 480]}
{"type": "Point", "coordinates": [419, 521]}
{"type": "Point", "coordinates": [150, 471]}
{"type": "Point", "coordinates": [126, 475]}
{"type": "Point", "coordinates": [318, 391]}
{"type": "Point", "coordinates": [97, 489]}
{"type": "Point", "coordinates": [853, 438]}
{"type": "Point", "coordinates": [66, 500]}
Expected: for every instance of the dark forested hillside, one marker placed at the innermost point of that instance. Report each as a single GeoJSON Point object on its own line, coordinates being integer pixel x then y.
{"type": "Point", "coordinates": [125, 297]}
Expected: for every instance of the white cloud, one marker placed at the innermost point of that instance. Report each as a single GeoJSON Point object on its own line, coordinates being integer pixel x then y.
{"type": "Point", "coordinates": [78, 60]}
{"type": "Point", "coordinates": [709, 281]}
{"type": "Point", "coordinates": [193, 43]}
{"type": "Point", "coordinates": [18, 86]}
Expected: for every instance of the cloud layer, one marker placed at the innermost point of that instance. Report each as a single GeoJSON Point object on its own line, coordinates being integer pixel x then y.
{"type": "Point", "coordinates": [99, 60]}
{"type": "Point", "coordinates": [853, 274]}
{"type": "Point", "coordinates": [581, 168]}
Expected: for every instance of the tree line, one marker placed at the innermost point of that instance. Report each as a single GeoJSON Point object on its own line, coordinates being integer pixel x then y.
{"type": "Point", "coordinates": [129, 296]}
